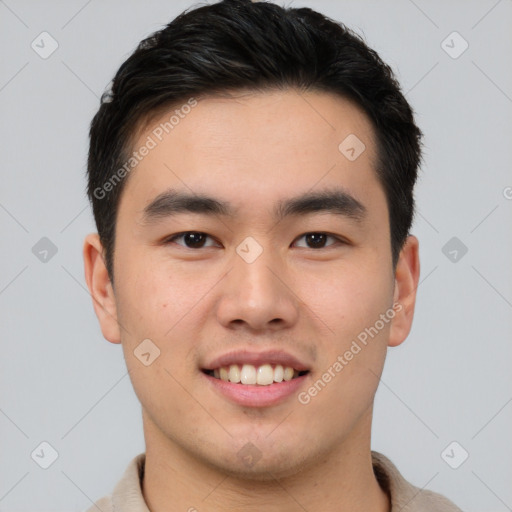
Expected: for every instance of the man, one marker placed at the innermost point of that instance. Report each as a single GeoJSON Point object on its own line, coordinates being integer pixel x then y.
{"type": "Point", "coordinates": [251, 175]}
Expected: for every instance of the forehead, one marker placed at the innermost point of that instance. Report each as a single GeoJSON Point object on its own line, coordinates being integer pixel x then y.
{"type": "Point", "coordinates": [255, 147]}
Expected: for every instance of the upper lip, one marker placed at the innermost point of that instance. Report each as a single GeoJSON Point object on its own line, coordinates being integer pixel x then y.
{"type": "Point", "coordinates": [241, 357]}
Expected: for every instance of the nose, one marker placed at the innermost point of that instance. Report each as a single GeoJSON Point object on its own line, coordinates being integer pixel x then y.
{"type": "Point", "coordinates": [257, 295]}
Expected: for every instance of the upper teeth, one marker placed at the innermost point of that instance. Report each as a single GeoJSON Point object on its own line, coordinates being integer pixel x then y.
{"type": "Point", "coordinates": [250, 374]}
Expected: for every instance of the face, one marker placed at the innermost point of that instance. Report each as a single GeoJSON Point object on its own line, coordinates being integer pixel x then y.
{"type": "Point", "coordinates": [253, 244]}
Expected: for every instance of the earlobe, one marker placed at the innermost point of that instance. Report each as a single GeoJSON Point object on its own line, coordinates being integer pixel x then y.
{"type": "Point", "coordinates": [100, 288]}
{"type": "Point", "coordinates": [406, 282]}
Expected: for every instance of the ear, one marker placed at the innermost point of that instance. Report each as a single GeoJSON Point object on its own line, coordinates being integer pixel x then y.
{"type": "Point", "coordinates": [100, 288]}
{"type": "Point", "coordinates": [407, 274]}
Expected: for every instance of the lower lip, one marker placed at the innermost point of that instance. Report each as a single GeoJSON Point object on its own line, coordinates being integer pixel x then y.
{"type": "Point", "coordinates": [257, 396]}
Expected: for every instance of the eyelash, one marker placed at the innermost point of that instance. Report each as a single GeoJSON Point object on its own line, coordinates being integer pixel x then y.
{"type": "Point", "coordinates": [171, 239]}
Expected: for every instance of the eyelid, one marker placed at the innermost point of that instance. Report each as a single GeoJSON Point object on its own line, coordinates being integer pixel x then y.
{"type": "Point", "coordinates": [339, 240]}
{"type": "Point", "coordinates": [171, 239]}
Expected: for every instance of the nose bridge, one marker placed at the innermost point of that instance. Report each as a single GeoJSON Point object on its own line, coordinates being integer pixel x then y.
{"type": "Point", "coordinates": [252, 270]}
{"type": "Point", "coordinates": [254, 292]}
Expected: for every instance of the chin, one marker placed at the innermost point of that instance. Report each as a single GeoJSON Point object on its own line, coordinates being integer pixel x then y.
{"type": "Point", "coordinates": [262, 471]}
{"type": "Point", "coordinates": [266, 465]}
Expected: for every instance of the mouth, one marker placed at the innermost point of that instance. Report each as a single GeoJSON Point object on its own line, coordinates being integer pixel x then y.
{"type": "Point", "coordinates": [256, 379]}
{"type": "Point", "coordinates": [248, 374]}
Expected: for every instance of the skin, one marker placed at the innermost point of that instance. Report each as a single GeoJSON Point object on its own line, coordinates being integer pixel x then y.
{"type": "Point", "coordinates": [252, 150]}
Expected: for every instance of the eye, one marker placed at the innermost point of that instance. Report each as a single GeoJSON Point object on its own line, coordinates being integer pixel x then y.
{"type": "Point", "coordinates": [191, 239]}
{"type": "Point", "coordinates": [318, 240]}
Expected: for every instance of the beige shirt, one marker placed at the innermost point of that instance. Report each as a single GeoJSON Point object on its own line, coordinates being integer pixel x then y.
{"type": "Point", "coordinates": [404, 497]}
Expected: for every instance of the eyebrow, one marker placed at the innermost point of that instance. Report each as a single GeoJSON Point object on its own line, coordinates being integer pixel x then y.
{"type": "Point", "coordinates": [335, 201]}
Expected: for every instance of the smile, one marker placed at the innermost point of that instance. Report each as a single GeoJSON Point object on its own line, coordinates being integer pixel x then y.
{"type": "Point", "coordinates": [248, 374]}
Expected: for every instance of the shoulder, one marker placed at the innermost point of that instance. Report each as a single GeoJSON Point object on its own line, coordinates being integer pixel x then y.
{"type": "Point", "coordinates": [127, 494]}
{"type": "Point", "coordinates": [104, 504]}
{"type": "Point", "coordinates": [404, 496]}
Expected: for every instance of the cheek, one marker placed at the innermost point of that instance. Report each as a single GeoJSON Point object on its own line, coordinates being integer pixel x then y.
{"type": "Point", "coordinates": [355, 348]}
{"type": "Point", "coordinates": [150, 302]}
{"type": "Point", "coordinates": [154, 310]}
{"type": "Point", "coordinates": [348, 300]}
{"type": "Point", "coordinates": [165, 308]}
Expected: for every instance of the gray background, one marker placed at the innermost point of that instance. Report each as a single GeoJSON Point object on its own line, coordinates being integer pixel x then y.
{"type": "Point", "coordinates": [62, 383]}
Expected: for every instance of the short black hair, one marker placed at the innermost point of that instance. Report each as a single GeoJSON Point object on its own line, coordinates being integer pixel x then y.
{"type": "Point", "coordinates": [236, 45]}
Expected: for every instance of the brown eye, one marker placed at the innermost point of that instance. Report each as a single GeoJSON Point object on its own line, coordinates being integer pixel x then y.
{"type": "Point", "coordinates": [191, 239]}
{"type": "Point", "coordinates": [317, 240]}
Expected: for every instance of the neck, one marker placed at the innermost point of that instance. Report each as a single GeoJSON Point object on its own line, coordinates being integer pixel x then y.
{"type": "Point", "coordinates": [342, 481]}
